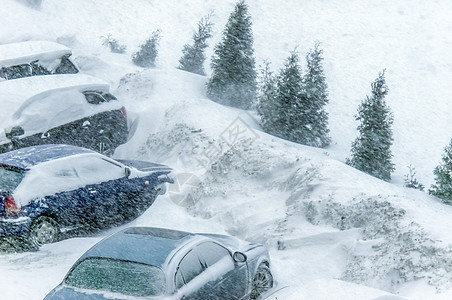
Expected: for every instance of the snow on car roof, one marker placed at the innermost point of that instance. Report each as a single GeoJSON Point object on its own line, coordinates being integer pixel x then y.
{"type": "Point", "coordinates": [147, 245]}
{"type": "Point", "coordinates": [26, 52]}
{"type": "Point", "coordinates": [25, 158]}
{"type": "Point", "coordinates": [28, 87]}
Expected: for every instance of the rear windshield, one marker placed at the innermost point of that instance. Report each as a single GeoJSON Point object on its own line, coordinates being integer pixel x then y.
{"type": "Point", "coordinates": [94, 97]}
{"type": "Point", "coordinates": [118, 276]}
{"type": "Point", "coordinates": [10, 178]}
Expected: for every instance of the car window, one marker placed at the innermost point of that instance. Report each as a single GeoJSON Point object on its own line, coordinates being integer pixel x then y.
{"type": "Point", "coordinates": [212, 252]}
{"type": "Point", "coordinates": [37, 69]}
{"type": "Point", "coordinates": [96, 169]}
{"type": "Point", "coordinates": [66, 66]}
{"type": "Point", "coordinates": [18, 71]}
{"type": "Point", "coordinates": [10, 179]}
{"type": "Point", "coordinates": [189, 267]}
{"type": "Point", "coordinates": [94, 97]}
{"type": "Point", "coordinates": [118, 276]}
{"type": "Point", "coordinates": [109, 97]}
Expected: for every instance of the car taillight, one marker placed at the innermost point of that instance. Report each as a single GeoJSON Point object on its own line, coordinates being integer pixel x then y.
{"type": "Point", "coordinates": [124, 112]}
{"type": "Point", "coordinates": [11, 209]}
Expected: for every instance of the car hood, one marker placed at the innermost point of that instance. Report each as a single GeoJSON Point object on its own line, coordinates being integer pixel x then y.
{"type": "Point", "coordinates": [63, 292]}
{"type": "Point", "coordinates": [145, 166]}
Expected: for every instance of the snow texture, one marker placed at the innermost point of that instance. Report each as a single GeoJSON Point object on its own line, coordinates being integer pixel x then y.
{"type": "Point", "coordinates": [333, 232]}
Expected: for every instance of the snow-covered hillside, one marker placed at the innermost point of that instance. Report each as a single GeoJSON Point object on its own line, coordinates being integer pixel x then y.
{"type": "Point", "coordinates": [333, 232]}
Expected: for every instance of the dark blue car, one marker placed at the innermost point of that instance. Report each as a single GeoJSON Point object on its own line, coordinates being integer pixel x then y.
{"type": "Point", "coordinates": [50, 190]}
{"type": "Point", "coordinates": [159, 263]}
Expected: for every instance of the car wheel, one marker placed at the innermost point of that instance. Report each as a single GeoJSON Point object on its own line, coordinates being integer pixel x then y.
{"type": "Point", "coordinates": [262, 281]}
{"type": "Point", "coordinates": [44, 230]}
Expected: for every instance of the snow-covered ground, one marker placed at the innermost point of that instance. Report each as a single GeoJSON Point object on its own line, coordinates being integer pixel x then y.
{"type": "Point", "coordinates": [333, 232]}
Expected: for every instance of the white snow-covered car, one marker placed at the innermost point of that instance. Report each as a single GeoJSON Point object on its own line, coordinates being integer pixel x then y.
{"type": "Point", "coordinates": [32, 58]}
{"type": "Point", "coordinates": [73, 109]}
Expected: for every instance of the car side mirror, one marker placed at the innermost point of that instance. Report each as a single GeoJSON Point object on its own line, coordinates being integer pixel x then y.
{"type": "Point", "coordinates": [14, 132]}
{"type": "Point", "coordinates": [239, 257]}
{"type": "Point", "coordinates": [127, 172]}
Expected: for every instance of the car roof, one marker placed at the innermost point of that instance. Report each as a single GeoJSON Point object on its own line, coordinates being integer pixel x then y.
{"type": "Point", "coordinates": [28, 157]}
{"type": "Point", "coordinates": [26, 52]}
{"type": "Point", "coordinates": [28, 87]}
{"type": "Point", "coordinates": [148, 245]}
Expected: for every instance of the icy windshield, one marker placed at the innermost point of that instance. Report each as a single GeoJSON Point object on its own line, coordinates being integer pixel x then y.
{"type": "Point", "coordinates": [10, 179]}
{"type": "Point", "coordinates": [118, 276]}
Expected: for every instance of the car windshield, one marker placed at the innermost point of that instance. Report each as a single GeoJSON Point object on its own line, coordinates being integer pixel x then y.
{"type": "Point", "coordinates": [118, 276]}
{"type": "Point", "coordinates": [9, 178]}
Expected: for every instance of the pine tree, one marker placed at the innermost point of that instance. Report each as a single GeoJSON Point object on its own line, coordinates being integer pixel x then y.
{"type": "Point", "coordinates": [411, 181]}
{"type": "Point", "coordinates": [316, 93]}
{"type": "Point", "coordinates": [371, 151]}
{"type": "Point", "coordinates": [148, 51]}
{"type": "Point", "coordinates": [443, 177]}
{"type": "Point", "coordinates": [267, 105]}
{"type": "Point", "coordinates": [193, 55]}
{"type": "Point", "coordinates": [290, 122]}
{"type": "Point", "coordinates": [233, 80]}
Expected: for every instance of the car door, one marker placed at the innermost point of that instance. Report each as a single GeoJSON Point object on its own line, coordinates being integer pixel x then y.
{"type": "Point", "coordinates": [185, 279]}
{"type": "Point", "coordinates": [105, 181]}
{"type": "Point", "coordinates": [229, 279]}
{"type": "Point", "coordinates": [209, 272]}
{"type": "Point", "coordinates": [55, 186]}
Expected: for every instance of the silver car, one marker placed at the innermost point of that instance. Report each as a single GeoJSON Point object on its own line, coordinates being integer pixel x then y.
{"type": "Point", "coordinates": [157, 263]}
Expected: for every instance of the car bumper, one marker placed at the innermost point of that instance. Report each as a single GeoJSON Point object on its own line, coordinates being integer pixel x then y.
{"type": "Point", "coordinates": [17, 227]}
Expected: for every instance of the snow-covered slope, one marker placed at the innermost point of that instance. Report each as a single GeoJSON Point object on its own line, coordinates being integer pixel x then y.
{"type": "Point", "coordinates": [333, 232]}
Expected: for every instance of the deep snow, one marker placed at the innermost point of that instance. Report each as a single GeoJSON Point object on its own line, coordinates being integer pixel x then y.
{"type": "Point", "coordinates": [333, 232]}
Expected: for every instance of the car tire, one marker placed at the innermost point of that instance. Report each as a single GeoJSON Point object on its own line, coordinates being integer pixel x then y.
{"type": "Point", "coordinates": [262, 281]}
{"type": "Point", "coordinates": [44, 230]}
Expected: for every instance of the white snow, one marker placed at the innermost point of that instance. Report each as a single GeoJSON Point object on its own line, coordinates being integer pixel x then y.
{"type": "Point", "coordinates": [333, 232]}
{"type": "Point", "coordinates": [26, 52]}
{"type": "Point", "coordinates": [34, 103]}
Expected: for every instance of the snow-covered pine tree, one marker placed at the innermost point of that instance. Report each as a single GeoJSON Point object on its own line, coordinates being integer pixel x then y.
{"type": "Point", "coordinates": [289, 120]}
{"type": "Point", "coordinates": [371, 151]}
{"type": "Point", "coordinates": [267, 105]}
{"type": "Point", "coordinates": [316, 91]}
{"type": "Point", "coordinates": [194, 56]}
{"type": "Point", "coordinates": [148, 51]}
{"type": "Point", "coordinates": [233, 80]}
{"type": "Point", "coordinates": [443, 177]}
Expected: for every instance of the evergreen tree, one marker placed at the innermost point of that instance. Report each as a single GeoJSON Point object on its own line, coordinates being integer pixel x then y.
{"type": "Point", "coordinates": [443, 177]}
{"type": "Point", "coordinates": [411, 181]}
{"type": "Point", "coordinates": [316, 93]}
{"type": "Point", "coordinates": [289, 119]}
{"type": "Point", "coordinates": [193, 55]}
{"type": "Point", "coordinates": [371, 151]}
{"type": "Point", "coordinates": [233, 80]}
{"type": "Point", "coordinates": [148, 51]}
{"type": "Point", "coordinates": [267, 105]}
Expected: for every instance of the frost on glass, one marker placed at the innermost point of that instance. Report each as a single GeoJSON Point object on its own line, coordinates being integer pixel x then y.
{"type": "Point", "coordinates": [118, 276]}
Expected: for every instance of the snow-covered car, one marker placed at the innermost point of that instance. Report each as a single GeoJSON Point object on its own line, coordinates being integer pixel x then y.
{"type": "Point", "coordinates": [32, 58]}
{"type": "Point", "coordinates": [73, 109]}
{"type": "Point", "coordinates": [49, 190]}
{"type": "Point", "coordinates": [158, 263]}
